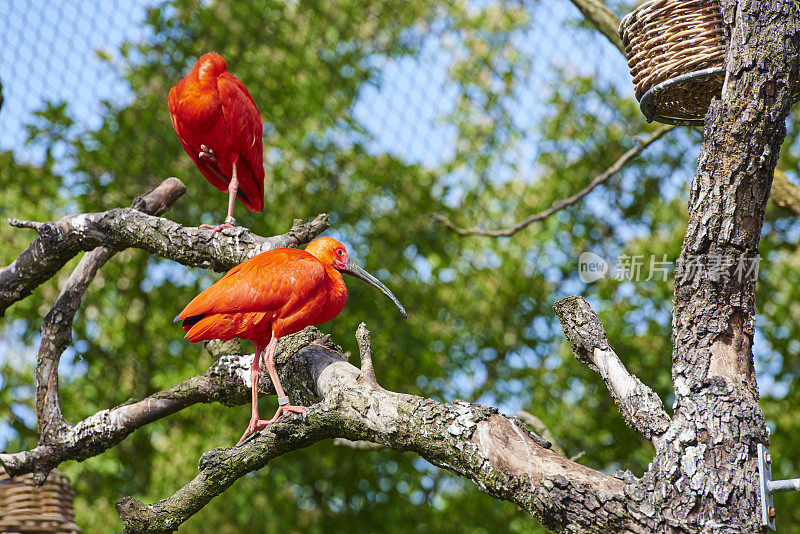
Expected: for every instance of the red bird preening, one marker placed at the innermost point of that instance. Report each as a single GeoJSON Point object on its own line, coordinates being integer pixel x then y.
{"type": "Point", "coordinates": [273, 294]}
{"type": "Point", "coordinates": [219, 126]}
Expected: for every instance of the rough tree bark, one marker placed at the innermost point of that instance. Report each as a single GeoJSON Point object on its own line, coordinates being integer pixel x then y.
{"type": "Point", "coordinates": [703, 476]}
{"type": "Point", "coordinates": [499, 454]}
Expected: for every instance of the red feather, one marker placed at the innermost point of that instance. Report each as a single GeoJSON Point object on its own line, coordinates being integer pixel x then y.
{"type": "Point", "coordinates": [211, 107]}
{"type": "Point", "coordinates": [282, 290]}
{"type": "Point", "coordinates": [271, 295]}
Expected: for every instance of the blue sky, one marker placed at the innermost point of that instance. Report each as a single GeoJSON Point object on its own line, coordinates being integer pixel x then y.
{"type": "Point", "coordinates": [48, 52]}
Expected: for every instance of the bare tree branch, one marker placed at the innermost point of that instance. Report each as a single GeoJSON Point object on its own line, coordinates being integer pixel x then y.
{"type": "Point", "coordinates": [467, 439]}
{"type": "Point", "coordinates": [784, 193]}
{"type": "Point", "coordinates": [560, 205]}
{"type": "Point", "coordinates": [59, 241]}
{"type": "Point", "coordinates": [367, 374]}
{"type": "Point", "coordinates": [101, 431]}
{"type": "Point", "coordinates": [57, 327]}
{"type": "Point", "coordinates": [227, 382]}
{"type": "Point", "coordinates": [20, 223]}
{"type": "Point", "coordinates": [641, 408]}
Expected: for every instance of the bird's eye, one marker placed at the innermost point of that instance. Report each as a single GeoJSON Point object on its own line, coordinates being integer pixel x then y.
{"type": "Point", "coordinates": [340, 252]}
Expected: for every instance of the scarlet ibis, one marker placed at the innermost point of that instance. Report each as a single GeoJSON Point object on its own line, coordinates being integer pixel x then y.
{"type": "Point", "coordinates": [219, 126]}
{"type": "Point", "coordinates": [273, 294]}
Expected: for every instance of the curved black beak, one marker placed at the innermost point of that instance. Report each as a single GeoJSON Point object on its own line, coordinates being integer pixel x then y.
{"type": "Point", "coordinates": [361, 274]}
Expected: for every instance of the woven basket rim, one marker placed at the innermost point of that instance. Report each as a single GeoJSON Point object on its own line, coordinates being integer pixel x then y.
{"type": "Point", "coordinates": [647, 103]}
{"type": "Point", "coordinates": [28, 508]}
{"type": "Point", "coordinates": [673, 47]}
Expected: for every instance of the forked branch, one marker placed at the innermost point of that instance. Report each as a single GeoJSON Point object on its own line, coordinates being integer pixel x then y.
{"type": "Point", "coordinates": [641, 408]}
{"type": "Point", "coordinates": [57, 326]}
{"type": "Point", "coordinates": [59, 241]}
{"type": "Point", "coordinates": [468, 439]}
{"type": "Point", "coordinates": [561, 204]}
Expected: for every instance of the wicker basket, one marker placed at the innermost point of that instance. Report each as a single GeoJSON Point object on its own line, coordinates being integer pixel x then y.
{"type": "Point", "coordinates": [676, 53]}
{"type": "Point", "coordinates": [26, 509]}
{"type": "Point", "coordinates": [675, 50]}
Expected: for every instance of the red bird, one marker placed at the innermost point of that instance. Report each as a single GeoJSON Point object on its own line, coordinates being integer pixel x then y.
{"type": "Point", "coordinates": [273, 294]}
{"type": "Point", "coordinates": [219, 126]}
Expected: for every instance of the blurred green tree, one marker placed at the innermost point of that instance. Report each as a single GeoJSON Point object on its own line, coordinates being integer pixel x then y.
{"type": "Point", "coordinates": [481, 324]}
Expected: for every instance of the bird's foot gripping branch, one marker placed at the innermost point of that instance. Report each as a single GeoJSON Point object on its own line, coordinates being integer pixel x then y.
{"type": "Point", "coordinates": [102, 235]}
{"type": "Point", "coordinates": [500, 454]}
{"type": "Point", "coordinates": [271, 295]}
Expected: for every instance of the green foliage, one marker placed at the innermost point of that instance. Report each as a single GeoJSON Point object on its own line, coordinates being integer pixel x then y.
{"type": "Point", "coordinates": [480, 322]}
{"type": "Point", "coordinates": [29, 193]}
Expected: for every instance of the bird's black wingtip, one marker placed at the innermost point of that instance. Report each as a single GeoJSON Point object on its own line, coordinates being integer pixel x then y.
{"type": "Point", "coordinates": [190, 321]}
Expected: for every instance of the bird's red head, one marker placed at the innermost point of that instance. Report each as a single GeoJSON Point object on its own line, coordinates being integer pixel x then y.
{"type": "Point", "coordinates": [332, 253]}
{"type": "Point", "coordinates": [210, 65]}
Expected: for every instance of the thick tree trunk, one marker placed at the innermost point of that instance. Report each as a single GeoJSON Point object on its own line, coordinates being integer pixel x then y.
{"type": "Point", "coordinates": [705, 474]}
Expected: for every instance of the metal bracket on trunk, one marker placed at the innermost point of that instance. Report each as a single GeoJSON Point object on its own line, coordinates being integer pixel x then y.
{"type": "Point", "coordinates": [769, 486]}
